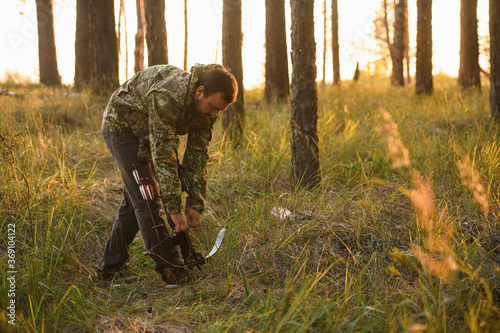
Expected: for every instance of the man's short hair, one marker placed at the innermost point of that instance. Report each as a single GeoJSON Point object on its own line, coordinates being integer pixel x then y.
{"type": "Point", "coordinates": [219, 80]}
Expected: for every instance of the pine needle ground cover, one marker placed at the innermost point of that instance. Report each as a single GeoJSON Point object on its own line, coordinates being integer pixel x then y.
{"type": "Point", "coordinates": [401, 235]}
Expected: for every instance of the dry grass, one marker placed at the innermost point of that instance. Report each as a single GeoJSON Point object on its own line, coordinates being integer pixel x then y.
{"type": "Point", "coordinates": [401, 235]}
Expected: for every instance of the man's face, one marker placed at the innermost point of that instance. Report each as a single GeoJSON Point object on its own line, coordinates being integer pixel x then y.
{"type": "Point", "coordinates": [209, 105]}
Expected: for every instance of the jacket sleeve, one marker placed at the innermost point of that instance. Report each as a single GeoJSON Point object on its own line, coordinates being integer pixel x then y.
{"type": "Point", "coordinates": [195, 162]}
{"type": "Point", "coordinates": [164, 144]}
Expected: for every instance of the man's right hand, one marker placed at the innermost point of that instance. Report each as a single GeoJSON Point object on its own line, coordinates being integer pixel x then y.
{"type": "Point", "coordinates": [179, 221]}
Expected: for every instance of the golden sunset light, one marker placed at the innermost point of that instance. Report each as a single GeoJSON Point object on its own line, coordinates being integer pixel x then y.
{"type": "Point", "coordinates": [19, 38]}
{"type": "Point", "coordinates": [253, 166]}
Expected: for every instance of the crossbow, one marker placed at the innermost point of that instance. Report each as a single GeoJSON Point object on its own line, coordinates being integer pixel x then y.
{"type": "Point", "coordinates": [192, 258]}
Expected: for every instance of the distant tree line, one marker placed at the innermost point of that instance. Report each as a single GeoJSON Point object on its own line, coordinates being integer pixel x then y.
{"type": "Point", "coordinates": [96, 57]}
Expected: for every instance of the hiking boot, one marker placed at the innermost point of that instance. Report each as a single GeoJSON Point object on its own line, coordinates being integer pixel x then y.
{"type": "Point", "coordinates": [175, 277]}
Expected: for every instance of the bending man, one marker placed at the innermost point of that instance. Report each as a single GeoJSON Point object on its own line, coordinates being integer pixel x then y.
{"type": "Point", "coordinates": [141, 128]}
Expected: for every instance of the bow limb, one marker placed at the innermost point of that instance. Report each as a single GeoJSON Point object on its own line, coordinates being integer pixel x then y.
{"type": "Point", "coordinates": [157, 256]}
{"type": "Point", "coordinates": [218, 242]}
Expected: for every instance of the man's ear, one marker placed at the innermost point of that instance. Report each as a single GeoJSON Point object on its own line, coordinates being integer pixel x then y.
{"type": "Point", "coordinates": [199, 92]}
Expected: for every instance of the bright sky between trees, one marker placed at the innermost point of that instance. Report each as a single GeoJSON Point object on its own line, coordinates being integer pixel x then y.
{"type": "Point", "coordinates": [19, 37]}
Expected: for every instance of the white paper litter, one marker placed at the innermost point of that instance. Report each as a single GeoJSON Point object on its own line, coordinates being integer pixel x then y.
{"type": "Point", "coordinates": [281, 213]}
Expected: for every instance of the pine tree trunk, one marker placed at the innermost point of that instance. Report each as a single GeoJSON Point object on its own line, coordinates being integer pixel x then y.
{"type": "Point", "coordinates": [468, 75]}
{"type": "Point", "coordinates": [96, 46]}
{"type": "Point", "coordinates": [325, 40]}
{"type": "Point", "coordinates": [139, 37]}
{"type": "Point", "coordinates": [47, 57]}
{"type": "Point", "coordinates": [277, 80]}
{"type": "Point", "coordinates": [124, 14]}
{"type": "Point", "coordinates": [398, 46]}
{"type": "Point", "coordinates": [407, 46]}
{"type": "Point", "coordinates": [104, 46]}
{"type": "Point", "coordinates": [495, 59]}
{"type": "Point", "coordinates": [386, 28]}
{"type": "Point", "coordinates": [335, 43]}
{"type": "Point", "coordinates": [84, 68]}
{"type": "Point", "coordinates": [156, 32]}
{"type": "Point", "coordinates": [304, 117]}
{"type": "Point", "coordinates": [424, 80]}
{"type": "Point", "coordinates": [185, 65]}
{"type": "Point", "coordinates": [232, 38]}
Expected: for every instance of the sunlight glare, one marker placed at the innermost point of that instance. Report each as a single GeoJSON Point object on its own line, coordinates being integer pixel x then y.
{"type": "Point", "coordinates": [205, 24]}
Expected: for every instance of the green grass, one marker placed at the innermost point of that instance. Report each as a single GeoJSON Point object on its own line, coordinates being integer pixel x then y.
{"type": "Point", "coordinates": [358, 255]}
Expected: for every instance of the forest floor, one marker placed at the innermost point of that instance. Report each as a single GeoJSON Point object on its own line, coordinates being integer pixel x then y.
{"type": "Point", "coordinates": [402, 234]}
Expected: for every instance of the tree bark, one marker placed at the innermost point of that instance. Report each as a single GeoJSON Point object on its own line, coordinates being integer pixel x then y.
{"type": "Point", "coordinates": [139, 37]}
{"type": "Point", "coordinates": [96, 46]}
{"type": "Point", "coordinates": [185, 65]}
{"type": "Point", "coordinates": [325, 40]}
{"type": "Point", "coordinates": [304, 117]}
{"type": "Point", "coordinates": [277, 86]}
{"type": "Point", "coordinates": [84, 68]}
{"type": "Point", "coordinates": [386, 28]}
{"type": "Point", "coordinates": [398, 46]}
{"type": "Point", "coordinates": [233, 118]}
{"type": "Point", "coordinates": [424, 80]}
{"type": "Point", "coordinates": [47, 56]}
{"type": "Point", "coordinates": [156, 32]}
{"type": "Point", "coordinates": [105, 45]}
{"type": "Point", "coordinates": [335, 43]}
{"type": "Point", "coordinates": [407, 46]}
{"type": "Point", "coordinates": [122, 12]}
{"type": "Point", "coordinates": [495, 59]}
{"type": "Point", "coordinates": [468, 75]}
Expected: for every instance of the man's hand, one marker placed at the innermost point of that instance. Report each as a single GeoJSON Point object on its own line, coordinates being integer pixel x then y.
{"type": "Point", "coordinates": [193, 217]}
{"type": "Point", "coordinates": [179, 221]}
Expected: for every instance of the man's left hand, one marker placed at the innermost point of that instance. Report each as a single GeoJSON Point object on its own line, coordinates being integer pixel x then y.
{"type": "Point", "coordinates": [193, 217]}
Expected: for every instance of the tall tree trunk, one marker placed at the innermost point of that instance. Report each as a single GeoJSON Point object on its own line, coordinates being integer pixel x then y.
{"type": "Point", "coordinates": [304, 110]}
{"type": "Point", "coordinates": [386, 28]}
{"type": "Point", "coordinates": [122, 11]}
{"type": "Point", "coordinates": [407, 46]}
{"type": "Point", "coordinates": [468, 75]}
{"type": "Point", "coordinates": [96, 46]}
{"type": "Point", "coordinates": [105, 45]}
{"type": "Point", "coordinates": [185, 66]}
{"type": "Point", "coordinates": [495, 59]}
{"type": "Point", "coordinates": [232, 38]}
{"type": "Point", "coordinates": [156, 32]}
{"type": "Point", "coordinates": [277, 80]}
{"type": "Point", "coordinates": [47, 57]}
{"type": "Point", "coordinates": [139, 37]}
{"type": "Point", "coordinates": [323, 80]}
{"type": "Point", "coordinates": [84, 58]}
{"type": "Point", "coordinates": [335, 43]}
{"type": "Point", "coordinates": [398, 45]}
{"type": "Point", "coordinates": [424, 80]}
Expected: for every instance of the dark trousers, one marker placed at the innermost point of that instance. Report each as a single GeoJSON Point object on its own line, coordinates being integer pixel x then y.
{"type": "Point", "coordinates": [139, 209]}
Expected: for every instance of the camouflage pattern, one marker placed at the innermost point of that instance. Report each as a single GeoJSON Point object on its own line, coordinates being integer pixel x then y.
{"type": "Point", "coordinates": [155, 106]}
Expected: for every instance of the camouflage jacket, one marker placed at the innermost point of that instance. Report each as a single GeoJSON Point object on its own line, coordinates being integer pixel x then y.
{"type": "Point", "coordinates": [155, 106]}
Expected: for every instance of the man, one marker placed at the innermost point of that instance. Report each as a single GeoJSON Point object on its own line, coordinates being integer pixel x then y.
{"type": "Point", "coordinates": [141, 125]}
